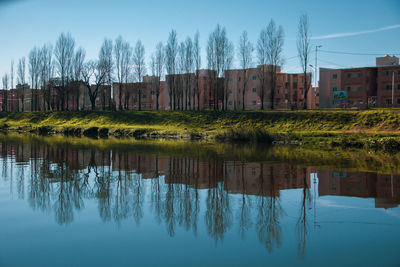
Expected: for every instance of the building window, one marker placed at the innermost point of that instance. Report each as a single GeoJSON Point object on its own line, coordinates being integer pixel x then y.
{"type": "Point", "coordinates": [359, 74]}
{"type": "Point", "coordinates": [348, 88]}
{"type": "Point", "coordinates": [278, 92]}
{"type": "Point", "coordinates": [152, 92]}
{"type": "Point", "coordinates": [359, 88]}
{"type": "Point", "coordinates": [239, 103]}
{"type": "Point", "coordinates": [334, 89]}
{"type": "Point", "coordinates": [229, 91]}
{"type": "Point", "coordinates": [254, 77]}
{"type": "Point", "coordinates": [398, 86]}
{"type": "Point", "coordinates": [389, 72]}
{"type": "Point", "coordinates": [254, 102]}
{"type": "Point", "coordinates": [239, 78]}
{"type": "Point", "coordinates": [334, 76]}
{"type": "Point", "coordinates": [388, 87]}
{"type": "Point", "coordinates": [143, 96]}
{"type": "Point", "coordinates": [239, 91]}
{"type": "Point", "coordinates": [229, 79]}
{"type": "Point", "coordinates": [230, 103]}
{"type": "Point", "coordinates": [388, 101]}
{"type": "Point", "coordinates": [254, 90]}
{"type": "Point", "coordinates": [398, 101]}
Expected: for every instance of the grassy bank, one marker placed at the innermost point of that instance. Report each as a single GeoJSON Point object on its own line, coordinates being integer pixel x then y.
{"type": "Point", "coordinates": [349, 128]}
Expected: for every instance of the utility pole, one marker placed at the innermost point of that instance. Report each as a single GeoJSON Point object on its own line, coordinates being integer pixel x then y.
{"type": "Point", "coordinates": [393, 89]}
{"type": "Point", "coordinates": [316, 64]}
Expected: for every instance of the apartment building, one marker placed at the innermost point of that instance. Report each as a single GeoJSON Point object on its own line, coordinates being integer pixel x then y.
{"type": "Point", "coordinates": [366, 87]}
{"type": "Point", "coordinates": [127, 97]}
{"type": "Point", "coordinates": [288, 94]}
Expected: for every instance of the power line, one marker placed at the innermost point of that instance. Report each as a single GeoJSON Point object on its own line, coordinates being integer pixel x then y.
{"type": "Point", "coordinates": [356, 54]}
{"type": "Point", "coordinates": [332, 63]}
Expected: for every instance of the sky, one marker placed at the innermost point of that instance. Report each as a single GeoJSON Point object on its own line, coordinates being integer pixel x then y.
{"type": "Point", "coordinates": [367, 27]}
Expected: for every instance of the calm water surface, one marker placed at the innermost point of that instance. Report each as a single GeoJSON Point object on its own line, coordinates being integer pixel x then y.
{"type": "Point", "coordinates": [66, 203]}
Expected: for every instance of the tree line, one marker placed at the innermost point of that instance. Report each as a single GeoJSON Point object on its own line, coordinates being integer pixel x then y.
{"type": "Point", "coordinates": [64, 66]}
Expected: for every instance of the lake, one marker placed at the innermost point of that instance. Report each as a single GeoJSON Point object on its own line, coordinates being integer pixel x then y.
{"type": "Point", "coordinates": [69, 201]}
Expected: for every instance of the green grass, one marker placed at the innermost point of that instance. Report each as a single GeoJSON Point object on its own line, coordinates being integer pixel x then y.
{"type": "Point", "coordinates": [230, 125]}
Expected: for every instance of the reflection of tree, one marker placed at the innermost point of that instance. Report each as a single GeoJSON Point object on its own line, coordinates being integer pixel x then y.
{"type": "Point", "coordinates": [269, 213]}
{"type": "Point", "coordinates": [302, 224]}
{"type": "Point", "coordinates": [218, 213]}
{"type": "Point", "coordinates": [245, 207]}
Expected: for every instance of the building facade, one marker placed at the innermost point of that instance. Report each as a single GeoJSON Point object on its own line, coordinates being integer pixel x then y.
{"type": "Point", "coordinates": [367, 87]}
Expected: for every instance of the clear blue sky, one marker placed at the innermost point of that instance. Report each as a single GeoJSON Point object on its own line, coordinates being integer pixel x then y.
{"type": "Point", "coordinates": [24, 24]}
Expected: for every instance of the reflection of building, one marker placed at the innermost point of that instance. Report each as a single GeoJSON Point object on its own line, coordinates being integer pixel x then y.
{"type": "Point", "coordinates": [384, 188]}
{"type": "Point", "coordinates": [264, 179]}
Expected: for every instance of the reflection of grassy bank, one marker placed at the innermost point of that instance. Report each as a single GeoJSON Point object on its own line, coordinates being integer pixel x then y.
{"type": "Point", "coordinates": [355, 159]}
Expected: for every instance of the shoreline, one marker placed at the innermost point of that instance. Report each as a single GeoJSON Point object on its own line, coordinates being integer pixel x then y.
{"type": "Point", "coordinates": [370, 129]}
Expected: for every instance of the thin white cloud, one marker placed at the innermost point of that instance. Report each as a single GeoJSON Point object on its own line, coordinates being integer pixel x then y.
{"type": "Point", "coordinates": [347, 34]}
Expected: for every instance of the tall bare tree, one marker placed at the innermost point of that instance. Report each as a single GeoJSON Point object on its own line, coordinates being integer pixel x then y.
{"type": "Point", "coordinates": [197, 64]}
{"type": "Point", "coordinates": [188, 71]}
{"type": "Point", "coordinates": [245, 57]}
{"type": "Point", "coordinates": [262, 47]}
{"type": "Point", "coordinates": [275, 39]}
{"type": "Point", "coordinates": [12, 74]}
{"type": "Point", "coordinates": [171, 52]}
{"type": "Point", "coordinates": [46, 72]}
{"type": "Point", "coordinates": [304, 50]}
{"type": "Point", "coordinates": [219, 53]}
{"type": "Point", "coordinates": [106, 57]}
{"type": "Point", "coordinates": [230, 51]}
{"type": "Point", "coordinates": [158, 65]}
{"type": "Point", "coordinates": [139, 68]}
{"type": "Point", "coordinates": [122, 54]}
{"type": "Point", "coordinates": [21, 80]}
{"type": "Point", "coordinates": [95, 71]}
{"type": "Point", "coordinates": [76, 76]}
{"type": "Point", "coordinates": [5, 79]}
{"type": "Point", "coordinates": [34, 73]}
{"type": "Point", "coordinates": [182, 77]}
{"type": "Point", "coordinates": [64, 53]}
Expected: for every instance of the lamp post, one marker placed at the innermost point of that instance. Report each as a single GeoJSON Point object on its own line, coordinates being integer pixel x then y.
{"type": "Point", "coordinates": [316, 63]}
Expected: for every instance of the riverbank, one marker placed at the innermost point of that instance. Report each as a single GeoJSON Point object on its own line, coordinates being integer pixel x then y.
{"type": "Point", "coordinates": [372, 129]}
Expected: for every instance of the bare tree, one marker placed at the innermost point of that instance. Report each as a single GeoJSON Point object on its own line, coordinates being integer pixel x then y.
{"type": "Point", "coordinates": [46, 72]}
{"type": "Point", "coordinates": [229, 51]}
{"type": "Point", "coordinates": [95, 71]}
{"type": "Point", "coordinates": [34, 73]}
{"type": "Point", "coordinates": [140, 68]}
{"type": "Point", "coordinates": [262, 47]}
{"type": "Point", "coordinates": [188, 70]}
{"type": "Point", "coordinates": [122, 54]}
{"type": "Point", "coordinates": [171, 52]}
{"type": "Point", "coordinates": [21, 80]}
{"type": "Point", "coordinates": [12, 74]}
{"type": "Point", "coordinates": [106, 57]}
{"type": "Point", "coordinates": [245, 58]}
{"type": "Point", "coordinates": [304, 50]}
{"type": "Point", "coordinates": [5, 80]}
{"type": "Point", "coordinates": [64, 52]}
{"type": "Point", "coordinates": [126, 69]}
{"type": "Point", "coordinates": [21, 71]}
{"type": "Point", "coordinates": [158, 65]}
{"type": "Point", "coordinates": [219, 49]}
{"type": "Point", "coordinates": [77, 64]}
{"type": "Point", "coordinates": [181, 78]}
{"type": "Point", "coordinates": [275, 39]}
{"type": "Point", "coordinates": [197, 64]}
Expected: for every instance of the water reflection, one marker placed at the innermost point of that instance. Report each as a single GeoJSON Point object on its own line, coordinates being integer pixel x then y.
{"type": "Point", "coordinates": [61, 178]}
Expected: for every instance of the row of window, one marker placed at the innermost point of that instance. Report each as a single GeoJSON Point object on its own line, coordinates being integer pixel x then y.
{"type": "Point", "coordinates": [360, 74]}
{"type": "Point", "coordinates": [390, 72]}
{"type": "Point", "coordinates": [360, 88]}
